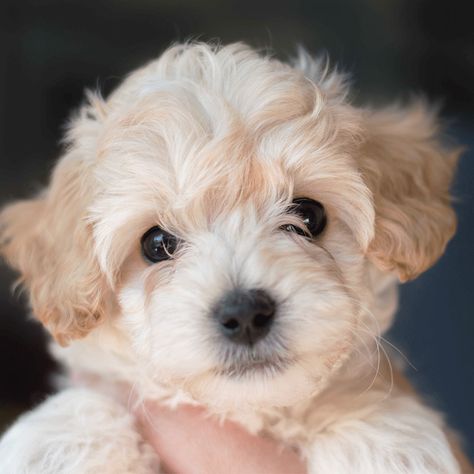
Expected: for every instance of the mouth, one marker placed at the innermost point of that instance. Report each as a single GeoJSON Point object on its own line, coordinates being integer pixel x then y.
{"type": "Point", "coordinates": [264, 367]}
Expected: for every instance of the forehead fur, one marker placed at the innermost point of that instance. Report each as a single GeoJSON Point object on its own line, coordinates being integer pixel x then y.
{"type": "Point", "coordinates": [203, 130]}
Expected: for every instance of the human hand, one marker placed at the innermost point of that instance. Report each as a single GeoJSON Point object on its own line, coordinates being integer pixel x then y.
{"type": "Point", "coordinates": [189, 442]}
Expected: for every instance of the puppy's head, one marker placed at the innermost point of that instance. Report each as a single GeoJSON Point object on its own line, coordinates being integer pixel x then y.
{"type": "Point", "coordinates": [235, 220]}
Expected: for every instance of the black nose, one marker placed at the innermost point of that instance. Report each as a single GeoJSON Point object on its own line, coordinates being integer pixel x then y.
{"type": "Point", "coordinates": [245, 316]}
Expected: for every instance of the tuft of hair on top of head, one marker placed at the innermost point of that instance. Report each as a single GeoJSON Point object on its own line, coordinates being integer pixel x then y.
{"type": "Point", "coordinates": [334, 84]}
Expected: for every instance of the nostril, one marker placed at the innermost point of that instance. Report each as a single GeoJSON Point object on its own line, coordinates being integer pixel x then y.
{"type": "Point", "coordinates": [261, 321]}
{"type": "Point", "coordinates": [231, 324]}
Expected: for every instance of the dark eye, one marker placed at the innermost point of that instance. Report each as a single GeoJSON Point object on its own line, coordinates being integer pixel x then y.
{"type": "Point", "coordinates": [313, 215]}
{"type": "Point", "coordinates": [158, 245]}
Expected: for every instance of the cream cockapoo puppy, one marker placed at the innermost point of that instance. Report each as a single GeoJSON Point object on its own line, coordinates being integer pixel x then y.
{"type": "Point", "coordinates": [228, 230]}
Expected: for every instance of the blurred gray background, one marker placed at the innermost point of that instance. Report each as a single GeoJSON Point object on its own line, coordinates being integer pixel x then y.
{"type": "Point", "coordinates": [51, 50]}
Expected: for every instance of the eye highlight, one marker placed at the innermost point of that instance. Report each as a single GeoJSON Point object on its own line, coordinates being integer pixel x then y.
{"type": "Point", "coordinates": [158, 245]}
{"type": "Point", "coordinates": [312, 214]}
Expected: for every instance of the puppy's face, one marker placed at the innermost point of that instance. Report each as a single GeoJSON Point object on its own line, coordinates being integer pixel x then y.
{"type": "Point", "coordinates": [243, 273]}
{"type": "Point", "coordinates": [227, 215]}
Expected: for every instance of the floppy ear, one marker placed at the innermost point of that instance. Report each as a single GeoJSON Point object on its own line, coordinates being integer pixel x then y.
{"type": "Point", "coordinates": [409, 173]}
{"type": "Point", "coordinates": [49, 241]}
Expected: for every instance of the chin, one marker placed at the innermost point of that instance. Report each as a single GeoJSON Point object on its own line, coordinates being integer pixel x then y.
{"type": "Point", "coordinates": [261, 387]}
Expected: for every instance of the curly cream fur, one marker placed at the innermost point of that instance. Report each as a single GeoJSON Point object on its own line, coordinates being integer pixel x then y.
{"type": "Point", "coordinates": [213, 144]}
{"type": "Point", "coordinates": [409, 172]}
